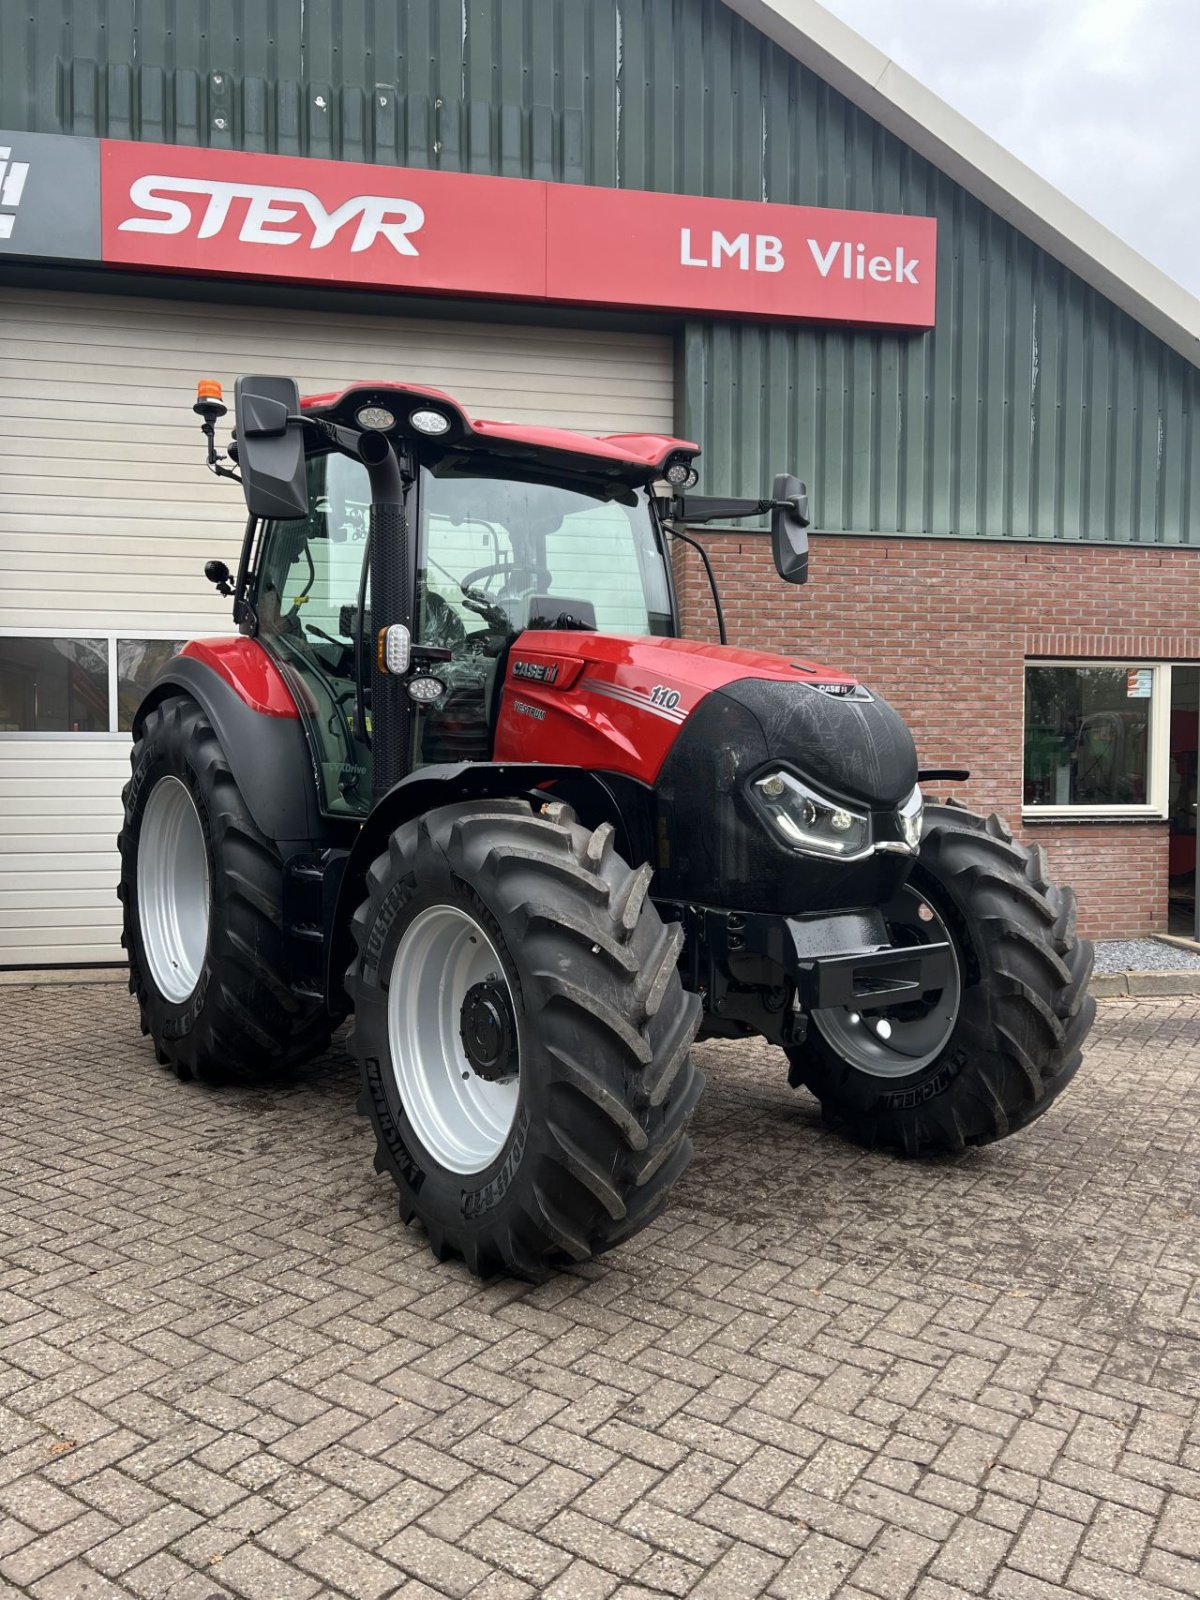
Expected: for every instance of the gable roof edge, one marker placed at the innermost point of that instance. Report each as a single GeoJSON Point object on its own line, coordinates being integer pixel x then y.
{"type": "Point", "coordinates": [874, 82]}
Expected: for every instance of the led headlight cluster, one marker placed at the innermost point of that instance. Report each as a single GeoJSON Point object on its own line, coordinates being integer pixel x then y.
{"type": "Point", "coordinates": [807, 821]}
{"type": "Point", "coordinates": [680, 473]}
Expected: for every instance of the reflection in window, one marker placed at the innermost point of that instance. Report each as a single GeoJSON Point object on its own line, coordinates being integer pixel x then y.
{"type": "Point", "coordinates": [53, 685]}
{"type": "Point", "coordinates": [500, 554]}
{"type": "Point", "coordinates": [1087, 735]}
{"type": "Point", "coordinates": [139, 662]}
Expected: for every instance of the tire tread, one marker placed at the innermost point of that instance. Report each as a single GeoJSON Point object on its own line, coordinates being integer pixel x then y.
{"type": "Point", "coordinates": [1034, 969]}
{"type": "Point", "coordinates": [613, 1029]}
{"type": "Point", "coordinates": [252, 1026]}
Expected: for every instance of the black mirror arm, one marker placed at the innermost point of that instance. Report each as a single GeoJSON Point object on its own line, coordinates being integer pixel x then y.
{"type": "Point", "coordinates": [389, 466]}
{"type": "Point", "coordinates": [704, 508]}
{"type": "Point", "coordinates": [346, 439]}
{"type": "Point", "coordinates": [677, 533]}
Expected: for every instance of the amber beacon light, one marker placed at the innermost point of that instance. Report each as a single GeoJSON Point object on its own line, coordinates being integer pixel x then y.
{"type": "Point", "coordinates": [210, 403]}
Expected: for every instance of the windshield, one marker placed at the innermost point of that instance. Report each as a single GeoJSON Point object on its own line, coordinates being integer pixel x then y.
{"type": "Point", "coordinates": [498, 554]}
{"type": "Point", "coordinates": [495, 555]}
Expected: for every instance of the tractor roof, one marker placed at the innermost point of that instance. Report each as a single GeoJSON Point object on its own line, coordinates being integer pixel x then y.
{"type": "Point", "coordinates": [637, 457]}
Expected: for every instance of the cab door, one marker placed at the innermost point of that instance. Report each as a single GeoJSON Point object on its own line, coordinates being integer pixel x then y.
{"type": "Point", "coordinates": [310, 593]}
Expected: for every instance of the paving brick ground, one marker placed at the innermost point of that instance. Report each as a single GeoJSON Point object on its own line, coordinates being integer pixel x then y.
{"type": "Point", "coordinates": [226, 1370]}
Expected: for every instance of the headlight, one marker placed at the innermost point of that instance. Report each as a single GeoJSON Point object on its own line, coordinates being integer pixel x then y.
{"type": "Point", "coordinates": [427, 420]}
{"type": "Point", "coordinates": [909, 816]}
{"type": "Point", "coordinates": [377, 417]}
{"type": "Point", "coordinates": [807, 821]}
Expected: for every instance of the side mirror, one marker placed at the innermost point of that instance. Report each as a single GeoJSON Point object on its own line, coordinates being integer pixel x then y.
{"type": "Point", "coordinates": [270, 448]}
{"type": "Point", "coordinates": [789, 525]}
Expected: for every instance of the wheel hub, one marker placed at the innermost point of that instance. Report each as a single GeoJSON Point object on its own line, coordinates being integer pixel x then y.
{"type": "Point", "coordinates": [489, 1031]}
{"type": "Point", "coordinates": [898, 1040]}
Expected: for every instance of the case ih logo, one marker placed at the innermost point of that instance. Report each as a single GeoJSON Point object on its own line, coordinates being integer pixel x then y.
{"type": "Point", "coordinates": [237, 214]}
{"type": "Point", "coordinates": [535, 671]}
{"type": "Point", "coordinates": [260, 213]}
{"type": "Point", "coordinates": [12, 184]}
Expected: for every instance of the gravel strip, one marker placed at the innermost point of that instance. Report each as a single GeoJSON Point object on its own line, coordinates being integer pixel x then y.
{"type": "Point", "coordinates": [1143, 955]}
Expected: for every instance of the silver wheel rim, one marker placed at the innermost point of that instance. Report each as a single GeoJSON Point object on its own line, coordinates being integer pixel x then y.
{"type": "Point", "coordinates": [462, 1119]}
{"type": "Point", "coordinates": [913, 1036]}
{"type": "Point", "coordinates": [173, 889]}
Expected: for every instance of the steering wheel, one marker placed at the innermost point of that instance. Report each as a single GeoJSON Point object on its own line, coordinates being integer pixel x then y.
{"type": "Point", "coordinates": [539, 575]}
{"type": "Point", "coordinates": [481, 574]}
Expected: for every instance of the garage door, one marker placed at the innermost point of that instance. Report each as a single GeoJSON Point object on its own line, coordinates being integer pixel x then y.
{"type": "Point", "coordinates": [107, 517]}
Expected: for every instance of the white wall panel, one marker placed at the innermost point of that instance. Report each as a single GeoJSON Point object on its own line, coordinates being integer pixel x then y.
{"type": "Point", "coordinates": [107, 514]}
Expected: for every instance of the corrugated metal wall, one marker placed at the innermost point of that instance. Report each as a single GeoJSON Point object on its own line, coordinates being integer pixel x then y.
{"type": "Point", "coordinates": [1034, 410]}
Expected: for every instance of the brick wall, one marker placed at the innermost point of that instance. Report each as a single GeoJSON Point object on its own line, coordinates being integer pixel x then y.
{"type": "Point", "coordinates": [943, 628]}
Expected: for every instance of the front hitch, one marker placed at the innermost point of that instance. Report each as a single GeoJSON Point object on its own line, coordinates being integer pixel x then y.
{"type": "Point", "coordinates": [758, 973]}
{"type": "Point", "coordinates": [874, 977]}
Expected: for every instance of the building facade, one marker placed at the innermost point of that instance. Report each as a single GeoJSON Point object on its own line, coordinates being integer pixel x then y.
{"type": "Point", "coordinates": [732, 221]}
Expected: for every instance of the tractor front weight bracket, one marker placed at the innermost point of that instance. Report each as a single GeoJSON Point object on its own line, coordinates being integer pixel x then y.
{"type": "Point", "coordinates": [761, 973]}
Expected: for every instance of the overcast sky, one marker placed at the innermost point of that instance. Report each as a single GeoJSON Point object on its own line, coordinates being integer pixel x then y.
{"type": "Point", "coordinates": [1102, 97]}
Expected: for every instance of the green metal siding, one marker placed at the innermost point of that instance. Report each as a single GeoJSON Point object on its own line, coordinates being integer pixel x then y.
{"type": "Point", "coordinates": [1035, 409]}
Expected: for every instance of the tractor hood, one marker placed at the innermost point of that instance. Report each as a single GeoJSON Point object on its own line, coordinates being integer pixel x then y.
{"type": "Point", "coordinates": [698, 724]}
{"type": "Point", "coordinates": [625, 704]}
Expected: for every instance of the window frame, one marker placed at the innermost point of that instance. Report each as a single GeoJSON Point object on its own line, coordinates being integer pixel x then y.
{"type": "Point", "coordinates": [110, 637]}
{"type": "Point", "coordinates": [1158, 752]}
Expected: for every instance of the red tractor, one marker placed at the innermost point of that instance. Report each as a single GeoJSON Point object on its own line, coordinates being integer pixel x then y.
{"type": "Point", "coordinates": [458, 774]}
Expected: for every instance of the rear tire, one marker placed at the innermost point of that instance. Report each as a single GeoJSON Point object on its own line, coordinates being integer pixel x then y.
{"type": "Point", "coordinates": [220, 1008]}
{"type": "Point", "coordinates": [1021, 1010]}
{"type": "Point", "coordinates": [573, 1141]}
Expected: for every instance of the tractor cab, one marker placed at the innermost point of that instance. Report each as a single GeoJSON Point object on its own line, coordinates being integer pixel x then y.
{"type": "Point", "coordinates": [490, 530]}
{"type": "Point", "coordinates": [496, 547]}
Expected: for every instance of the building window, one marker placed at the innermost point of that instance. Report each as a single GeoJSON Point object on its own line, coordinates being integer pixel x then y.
{"type": "Point", "coordinates": [52, 685]}
{"type": "Point", "coordinates": [57, 686]}
{"type": "Point", "coordinates": [1094, 733]}
{"type": "Point", "coordinates": [139, 661]}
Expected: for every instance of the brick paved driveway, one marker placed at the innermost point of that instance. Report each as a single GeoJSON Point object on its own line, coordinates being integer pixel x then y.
{"type": "Point", "coordinates": [226, 1369]}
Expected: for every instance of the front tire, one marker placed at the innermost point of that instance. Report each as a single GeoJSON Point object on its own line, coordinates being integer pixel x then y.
{"type": "Point", "coordinates": [988, 1054]}
{"type": "Point", "coordinates": [203, 922]}
{"type": "Point", "coordinates": [523, 1035]}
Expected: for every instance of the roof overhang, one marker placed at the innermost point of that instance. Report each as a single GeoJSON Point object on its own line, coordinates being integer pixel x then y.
{"type": "Point", "coordinates": [626, 457]}
{"type": "Point", "coordinates": [873, 82]}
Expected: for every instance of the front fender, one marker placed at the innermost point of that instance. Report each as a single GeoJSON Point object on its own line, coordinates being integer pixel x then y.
{"type": "Point", "coordinates": [267, 753]}
{"type": "Point", "coordinates": [413, 796]}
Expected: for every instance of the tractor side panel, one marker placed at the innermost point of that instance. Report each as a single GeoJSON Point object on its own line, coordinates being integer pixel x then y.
{"type": "Point", "coordinates": [606, 716]}
{"type": "Point", "coordinates": [246, 701]}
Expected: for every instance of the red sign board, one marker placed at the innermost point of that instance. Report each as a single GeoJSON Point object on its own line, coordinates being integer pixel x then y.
{"type": "Point", "coordinates": [741, 257]}
{"type": "Point", "coordinates": [403, 228]}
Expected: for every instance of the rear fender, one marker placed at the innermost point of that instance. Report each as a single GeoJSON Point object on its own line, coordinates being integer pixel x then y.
{"type": "Point", "coordinates": [268, 754]}
{"type": "Point", "coordinates": [445, 785]}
